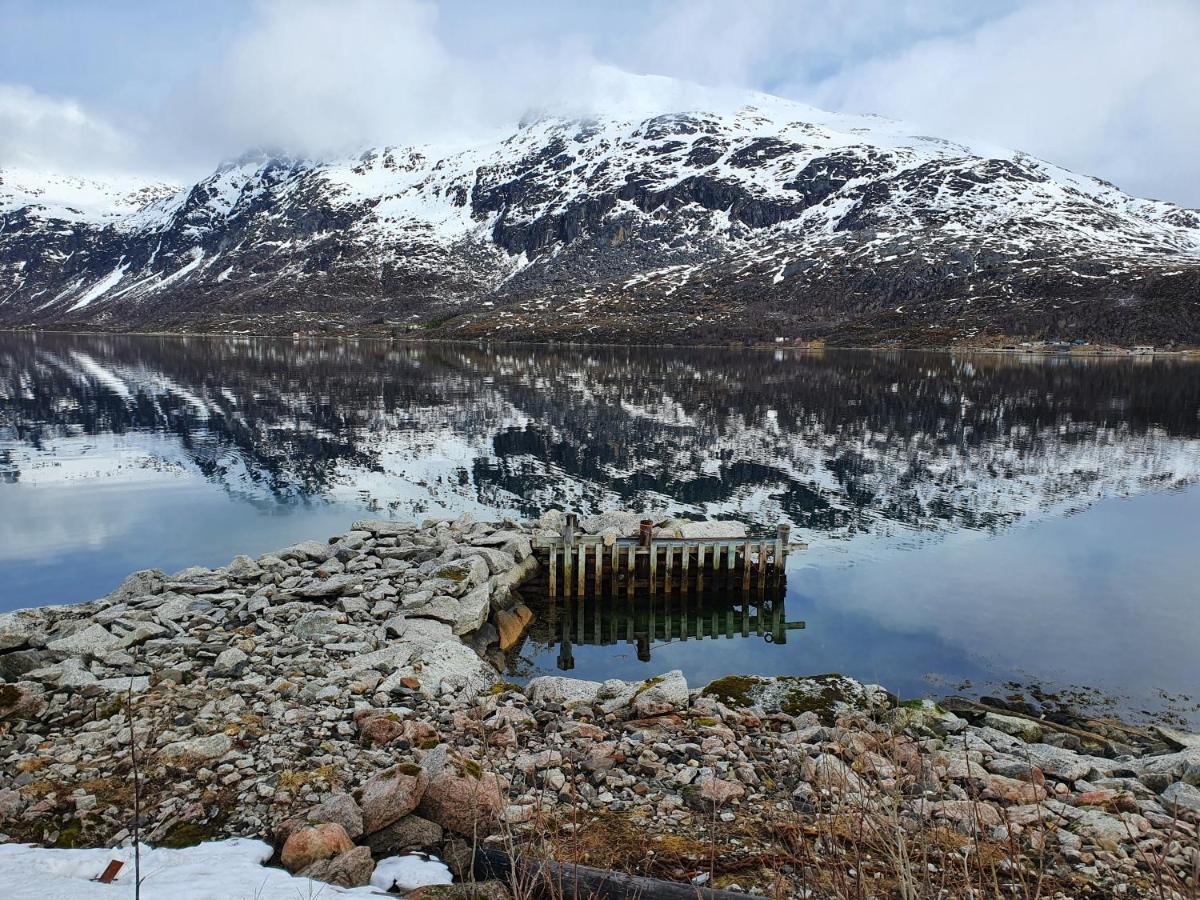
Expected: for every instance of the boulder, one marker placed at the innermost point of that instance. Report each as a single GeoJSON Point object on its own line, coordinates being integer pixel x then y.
{"type": "Point", "coordinates": [139, 584]}
{"type": "Point", "coordinates": [20, 701]}
{"type": "Point", "coordinates": [559, 689]}
{"type": "Point", "coordinates": [306, 550]}
{"type": "Point", "coordinates": [923, 718]}
{"type": "Point", "coordinates": [511, 624]}
{"type": "Point", "coordinates": [306, 846]}
{"type": "Point", "coordinates": [93, 641]}
{"type": "Point", "coordinates": [443, 667]}
{"type": "Point", "coordinates": [720, 791]}
{"type": "Point", "coordinates": [390, 795]}
{"type": "Point", "coordinates": [412, 832]}
{"type": "Point", "coordinates": [197, 750]}
{"type": "Point", "coordinates": [15, 631]}
{"type": "Point", "coordinates": [463, 615]}
{"type": "Point", "coordinates": [350, 869]}
{"type": "Point", "coordinates": [334, 586]}
{"type": "Point", "coordinates": [230, 662]}
{"type": "Point", "coordinates": [462, 799]}
{"type": "Point", "coordinates": [1064, 764]}
{"type": "Point", "coordinates": [338, 809]}
{"type": "Point", "coordinates": [1181, 796]}
{"type": "Point", "coordinates": [661, 695]}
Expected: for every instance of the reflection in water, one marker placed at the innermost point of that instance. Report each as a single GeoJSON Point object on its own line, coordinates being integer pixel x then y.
{"type": "Point", "coordinates": [841, 444]}
{"type": "Point", "coordinates": [906, 473]}
{"type": "Point", "coordinates": [645, 622]}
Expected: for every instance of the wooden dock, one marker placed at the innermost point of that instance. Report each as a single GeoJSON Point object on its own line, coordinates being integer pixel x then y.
{"type": "Point", "coordinates": [579, 564]}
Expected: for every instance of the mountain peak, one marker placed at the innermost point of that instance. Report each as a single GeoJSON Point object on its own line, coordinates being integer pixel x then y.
{"type": "Point", "coordinates": [597, 225]}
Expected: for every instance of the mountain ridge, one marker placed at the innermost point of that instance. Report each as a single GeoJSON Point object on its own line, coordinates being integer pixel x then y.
{"type": "Point", "coordinates": [764, 222]}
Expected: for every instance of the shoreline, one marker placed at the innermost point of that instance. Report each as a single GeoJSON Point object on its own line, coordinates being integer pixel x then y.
{"type": "Point", "coordinates": [347, 684]}
{"type": "Point", "coordinates": [1187, 353]}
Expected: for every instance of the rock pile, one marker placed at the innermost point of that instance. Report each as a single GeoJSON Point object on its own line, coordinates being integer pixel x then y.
{"type": "Point", "coordinates": [336, 699]}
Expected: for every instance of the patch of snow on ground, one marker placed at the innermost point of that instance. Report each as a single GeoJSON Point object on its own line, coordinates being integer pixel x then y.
{"type": "Point", "coordinates": [410, 872]}
{"type": "Point", "coordinates": [220, 870]}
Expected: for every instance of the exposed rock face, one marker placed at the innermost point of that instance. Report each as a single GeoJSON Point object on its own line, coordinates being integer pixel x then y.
{"type": "Point", "coordinates": [772, 219]}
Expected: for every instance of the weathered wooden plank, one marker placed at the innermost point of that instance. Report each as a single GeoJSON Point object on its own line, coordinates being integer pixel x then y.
{"type": "Point", "coordinates": [582, 569]}
{"type": "Point", "coordinates": [699, 570]}
{"type": "Point", "coordinates": [762, 569]}
{"type": "Point", "coordinates": [599, 571]}
{"type": "Point", "coordinates": [553, 572]}
{"type": "Point", "coordinates": [746, 569]}
{"type": "Point", "coordinates": [669, 569]}
{"type": "Point", "coordinates": [653, 567]}
{"type": "Point", "coordinates": [631, 563]}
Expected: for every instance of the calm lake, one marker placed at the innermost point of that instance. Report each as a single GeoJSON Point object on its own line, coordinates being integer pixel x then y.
{"type": "Point", "coordinates": [972, 520]}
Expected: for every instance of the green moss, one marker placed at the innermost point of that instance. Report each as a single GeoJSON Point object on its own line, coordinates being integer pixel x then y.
{"type": "Point", "coordinates": [187, 834]}
{"type": "Point", "coordinates": [832, 690]}
{"type": "Point", "coordinates": [501, 687]}
{"type": "Point", "coordinates": [470, 767]}
{"type": "Point", "coordinates": [430, 744]}
{"type": "Point", "coordinates": [733, 690]}
{"type": "Point", "coordinates": [647, 684]}
{"type": "Point", "coordinates": [707, 722]}
{"type": "Point", "coordinates": [410, 769]}
{"type": "Point", "coordinates": [452, 573]}
{"type": "Point", "coordinates": [70, 836]}
{"type": "Point", "coordinates": [820, 694]}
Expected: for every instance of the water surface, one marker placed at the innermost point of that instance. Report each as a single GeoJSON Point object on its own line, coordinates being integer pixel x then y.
{"type": "Point", "coordinates": [972, 520]}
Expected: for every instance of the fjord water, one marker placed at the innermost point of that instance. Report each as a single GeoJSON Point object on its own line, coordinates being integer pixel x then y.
{"type": "Point", "coordinates": [973, 520]}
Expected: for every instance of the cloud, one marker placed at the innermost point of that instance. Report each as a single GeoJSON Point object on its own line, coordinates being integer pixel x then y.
{"type": "Point", "coordinates": [1107, 87]}
{"type": "Point", "coordinates": [37, 131]}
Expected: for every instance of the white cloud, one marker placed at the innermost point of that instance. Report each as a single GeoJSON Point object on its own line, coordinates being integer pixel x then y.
{"type": "Point", "coordinates": [37, 131]}
{"type": "Point", "coordinates": [1109, 88]}
{"type": "Point", "coordinates": [1106, 87]}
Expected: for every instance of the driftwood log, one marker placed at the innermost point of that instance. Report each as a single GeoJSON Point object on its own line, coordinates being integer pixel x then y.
{"type": "Point", "coordinates": [573, 882]}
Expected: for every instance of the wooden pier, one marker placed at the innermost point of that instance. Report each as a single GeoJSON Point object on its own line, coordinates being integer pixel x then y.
{"type": "Point", "coordinates": [579, 565]}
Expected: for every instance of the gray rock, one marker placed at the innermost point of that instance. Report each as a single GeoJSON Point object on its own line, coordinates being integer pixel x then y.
{"type": "Point", "coordinates": [661, 695]}
{"type": "Point", "coordinates": [244, 568]}
{"type": "Point", "coordinates": [1180, 796]}
{"type": "Point", "coordinates": [197, 749]}
{"type": "Point", "coordinates": [15, 630]}
{"type": "Point", "coordinates": [341, 809]}
{"type": "Point", "coordinates": [559, 689]}
{"type": "Point", "coordinates": [90, 642]}
{"type": "Point", "coordinates": [306, 550]}
{"type": "Point", "coordinates": [316, 624]}
{"type": "Point", "coordinates": [230, 662]}
{"type": "Point", "coordinates": [409, 833]}
{"type": "Point", "coordinates": [350, 869]}
{"type": "Point", "coordinates": [463, 615]}
{"type": "Point", "coordinates": [1066, 765]}
{"type": "Point", "coordinates": [1156, 772]}
{"type": "Point", "coordinates": [139, 584]}
{"type": "Point", "coordinates": [331, 587]}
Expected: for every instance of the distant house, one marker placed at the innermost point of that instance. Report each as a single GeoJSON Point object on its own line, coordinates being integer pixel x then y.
{"type": "Point", "coordinates": [1142, 350]}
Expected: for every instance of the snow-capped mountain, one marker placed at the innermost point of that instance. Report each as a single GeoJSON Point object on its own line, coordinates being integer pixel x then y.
{"type": "Point", "coordinates": [761, 219]}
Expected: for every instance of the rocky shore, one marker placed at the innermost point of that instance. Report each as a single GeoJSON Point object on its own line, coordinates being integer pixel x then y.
{"type": "Point", "coordinates": [341, 700]}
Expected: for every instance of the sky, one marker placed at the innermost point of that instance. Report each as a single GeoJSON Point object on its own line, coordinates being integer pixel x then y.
{"type": "Point", "coordinates": [1104, 87]}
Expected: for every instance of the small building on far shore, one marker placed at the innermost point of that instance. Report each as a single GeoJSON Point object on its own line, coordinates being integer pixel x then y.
{"type": "Point", "coordinates": [1142, 350]}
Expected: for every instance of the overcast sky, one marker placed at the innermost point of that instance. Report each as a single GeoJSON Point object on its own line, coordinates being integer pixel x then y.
{"type": "Point", "coordinates": [1105, 87]}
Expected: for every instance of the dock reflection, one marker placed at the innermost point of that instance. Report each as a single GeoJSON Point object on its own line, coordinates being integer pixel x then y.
{"type": "Point", "coordinates": [646, 622]}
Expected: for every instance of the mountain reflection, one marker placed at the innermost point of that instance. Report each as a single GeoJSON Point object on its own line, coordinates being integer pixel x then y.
{"type": "Point", "coordinates": [841, 443]}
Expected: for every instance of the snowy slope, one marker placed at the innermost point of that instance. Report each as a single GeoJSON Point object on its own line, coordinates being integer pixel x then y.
{"type": "Point", "coordinates": [600, 228]}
